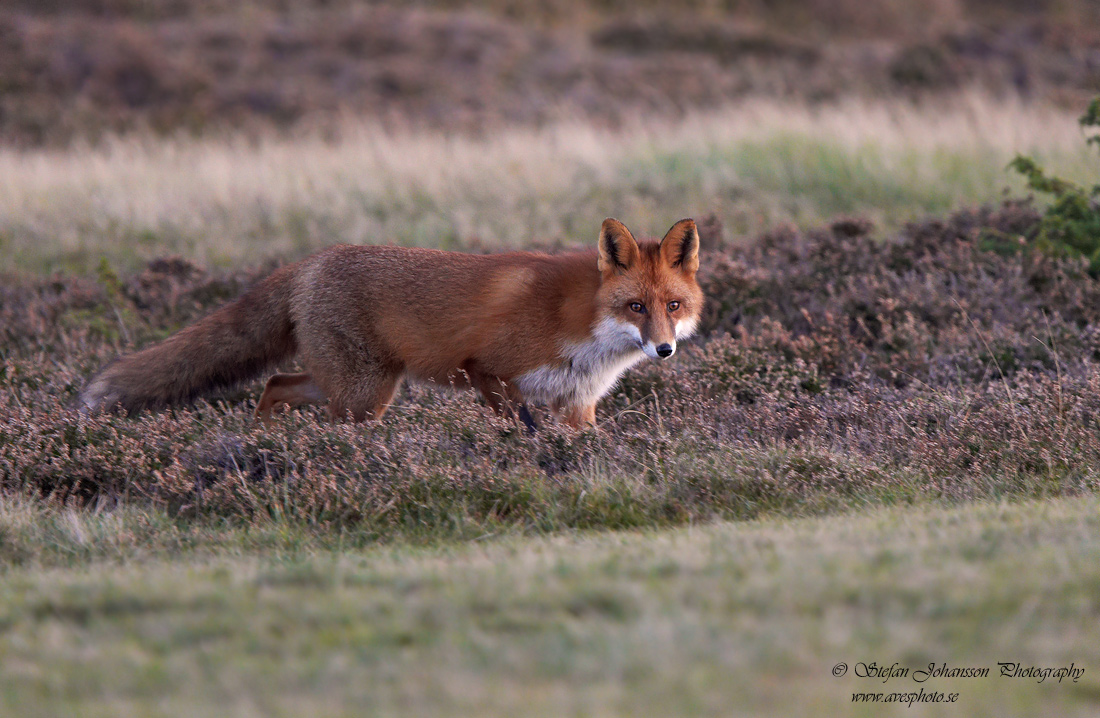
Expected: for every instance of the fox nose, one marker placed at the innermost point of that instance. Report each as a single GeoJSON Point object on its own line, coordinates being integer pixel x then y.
{"type": "Point", "coordinates": [665, 351]}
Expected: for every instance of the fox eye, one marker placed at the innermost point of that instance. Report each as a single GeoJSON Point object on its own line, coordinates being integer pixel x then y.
{"type": "Point", "coordinates": [637, 307]}
{"type": "Point", "coordinates": [673, 306]}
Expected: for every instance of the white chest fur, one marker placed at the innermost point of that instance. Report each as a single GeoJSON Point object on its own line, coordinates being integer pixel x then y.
{"type": "Point", "coordinates": [588, 369]}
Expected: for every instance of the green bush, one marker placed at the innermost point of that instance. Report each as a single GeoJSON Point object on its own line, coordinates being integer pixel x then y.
{"type": "Point", "coordinates": [1071, 224]}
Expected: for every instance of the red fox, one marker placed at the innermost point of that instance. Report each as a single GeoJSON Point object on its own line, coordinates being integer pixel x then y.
{"type": "Point", "coordinates": [553, 329]}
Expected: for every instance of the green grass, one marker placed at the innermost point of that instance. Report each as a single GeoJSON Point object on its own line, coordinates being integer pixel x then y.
{"type": "Point", "coordinates": [731, 618]}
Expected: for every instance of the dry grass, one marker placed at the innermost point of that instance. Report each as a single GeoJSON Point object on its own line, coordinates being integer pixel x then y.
{"type": "Point", "coordinates": [228, 202]}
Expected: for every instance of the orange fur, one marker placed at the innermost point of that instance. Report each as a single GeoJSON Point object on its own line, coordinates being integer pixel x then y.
{"type": "Point", "coordinates": [516, 327]}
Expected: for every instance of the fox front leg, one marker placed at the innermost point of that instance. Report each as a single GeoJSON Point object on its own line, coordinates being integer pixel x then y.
{"type": "Point", "coordinates": [579, 417]}
{"type": "Point", "coordinates": [504, 397]}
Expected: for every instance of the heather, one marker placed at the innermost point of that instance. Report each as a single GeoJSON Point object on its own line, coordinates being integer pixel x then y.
{"type": "Point", "coordinates": [835, 369]}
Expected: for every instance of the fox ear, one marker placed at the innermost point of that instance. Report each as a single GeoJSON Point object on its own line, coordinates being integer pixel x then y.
{"type": "Point", "coordinates": [680, 247]}
{"type": "Point", "coordinates": [618, 250]}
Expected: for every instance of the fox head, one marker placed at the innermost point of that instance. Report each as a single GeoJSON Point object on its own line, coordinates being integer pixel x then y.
{"type": "Point", "coordinates": [648, 294]}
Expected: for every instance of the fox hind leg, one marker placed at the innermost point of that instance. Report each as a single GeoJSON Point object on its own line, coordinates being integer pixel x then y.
{"type": "Point", "coordinates": [287, 390]}
{"type": "Point", "coordinates": [367, 398]}
{"type": "Point", "coordinates": [354, 370]}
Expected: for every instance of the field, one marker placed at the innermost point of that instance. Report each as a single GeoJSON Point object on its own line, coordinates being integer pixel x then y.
{"type": "Point", "coordinates": [743, 618]}
{"type": "Point", "coordinates": [882, 447]}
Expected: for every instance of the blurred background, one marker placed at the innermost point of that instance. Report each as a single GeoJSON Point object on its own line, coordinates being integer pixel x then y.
{"type": "Point", "coordinates": [234, 133]}
{"type": "Point", "coordinates": [78, 69]}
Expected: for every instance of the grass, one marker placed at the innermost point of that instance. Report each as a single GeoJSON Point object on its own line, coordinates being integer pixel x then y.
{"type": "Point", "coordinates": [736, 618]}
{"type": "Point", "coordinates": [226, 202]}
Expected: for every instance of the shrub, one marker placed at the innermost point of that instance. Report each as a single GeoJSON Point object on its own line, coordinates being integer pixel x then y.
{"type": "Point", "coordinates": [1071, 224]}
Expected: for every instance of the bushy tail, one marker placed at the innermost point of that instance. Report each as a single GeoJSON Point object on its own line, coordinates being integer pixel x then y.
{"type": "Point", "coordinates": [234, 344]}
